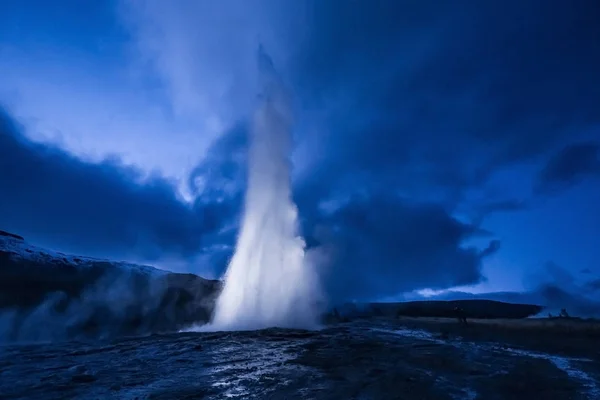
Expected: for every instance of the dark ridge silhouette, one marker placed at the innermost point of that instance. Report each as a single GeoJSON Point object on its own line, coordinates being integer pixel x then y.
{"type": "Point", "coordinates": [485, 309]}
{"type": "Point", "coordinates": [66, 296]}
{"type": "Point", "coordinates": [480, 309]}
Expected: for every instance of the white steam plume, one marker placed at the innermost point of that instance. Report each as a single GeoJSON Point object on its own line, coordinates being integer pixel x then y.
{"type": "Point", "coordinates": [269, 282]}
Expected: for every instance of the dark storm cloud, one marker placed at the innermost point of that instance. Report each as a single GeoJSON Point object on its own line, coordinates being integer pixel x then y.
{"type": "Point", "coordinates": [219, 183]}
{"type": "Point", "coordinates": [593, 286]}
{"type": "Point", "coordinates": [429, 101]}
{"type": "Point", "coordinates": [431, 98]}
{"type": "Point", "coordinates": [586, 271]}
{"type": "Point", "coordinates": [382, 245]}
{"type": "Point", "coordinates": [481, 209]}
{"type": "Point", "coordinates": [222, 173]}
{"type": "Point", "coordinates": [569, 166]}
{"type": "Point", "coordinates": [559, 288]}
{"type": "Point", "coordinates": [502, 206]}
{"type": "Point", "coordinates": [55, 199]}
{"type": "Point", "coordinates": [373, 245]}
{"type": "Point", "coordinates": [416, 103]}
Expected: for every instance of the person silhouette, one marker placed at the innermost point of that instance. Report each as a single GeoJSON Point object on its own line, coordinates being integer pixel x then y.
{"type": "Point", "coordinates": [460, 315]}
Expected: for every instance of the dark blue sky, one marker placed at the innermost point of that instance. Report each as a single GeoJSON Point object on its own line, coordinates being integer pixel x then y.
{"type": "Point", "coordinates": [436, 146]}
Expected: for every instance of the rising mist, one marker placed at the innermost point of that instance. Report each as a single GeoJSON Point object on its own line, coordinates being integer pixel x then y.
{"type": "Point", "coordinates": [269, 281]}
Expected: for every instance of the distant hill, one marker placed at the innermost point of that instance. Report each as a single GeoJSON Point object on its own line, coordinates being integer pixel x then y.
{"type": "Point", "coordinates": [46, 294]}
{"type": "Point", "coordinates": [439, 308]}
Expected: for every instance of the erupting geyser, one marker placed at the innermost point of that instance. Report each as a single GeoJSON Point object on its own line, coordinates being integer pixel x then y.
{"type": "Point", "coordinates": [268, 282]}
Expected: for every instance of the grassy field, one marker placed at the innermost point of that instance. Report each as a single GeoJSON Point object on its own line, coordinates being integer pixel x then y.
{"type": "Point", "coordinates": [572, 336]}
{"type": "Point", "coordinates": [546, 325]}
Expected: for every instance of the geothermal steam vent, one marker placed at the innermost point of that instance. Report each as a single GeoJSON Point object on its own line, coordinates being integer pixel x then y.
{"type": "Point", "coordinates": [268, 282]}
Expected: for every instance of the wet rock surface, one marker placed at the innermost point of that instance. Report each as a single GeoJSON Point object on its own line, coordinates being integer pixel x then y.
{"type": "Point", "coordinates": [359, 360]}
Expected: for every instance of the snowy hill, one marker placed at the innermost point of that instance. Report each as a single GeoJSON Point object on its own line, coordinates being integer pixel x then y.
{"type": "Point", "coordinates": [75, 296]}
{"type": "Point", "coordinates": [18, 249]}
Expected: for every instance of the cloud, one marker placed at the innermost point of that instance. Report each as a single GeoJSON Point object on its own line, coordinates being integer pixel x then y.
{"type": "Point", "coordinates": [593, 286]}
{"type": "Point", "coordinates": [430, 100]}
{"type": "Point", "coordinates": [586, 271]}
{"type": "Point", "coordinates": [204, 52]}
{"type": "Point", "coordinates": [554, 288]}
{"type": "Point", "coordinates": [222, 173]}
{"type": "Point", "coordinates": [434, 100]}
{"type": "Point", "coordinates": [383, 245]}
{"type": "Point", "coordinates": [405, 113]}
{"type": "Point", "coordinates": [570, 165]}
{"type": "Point", "coordinates": [378, 244]}
{"type": "Point", "coordinates": [101, 209]}
{"type": "Point", "coordinates": [431, 104]}
{"type": "Point", "coordinates": [101, 111]}
{"type": "Point", "coordinates": [557, 288]}
{"type": "Point", "coordinates": [502, 206]}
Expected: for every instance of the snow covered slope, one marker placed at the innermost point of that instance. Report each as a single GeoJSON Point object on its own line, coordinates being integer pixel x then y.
{"type": "Point", "coordinates": [73, 296]}
{"type": "Point", "coordinates": [17, 249]}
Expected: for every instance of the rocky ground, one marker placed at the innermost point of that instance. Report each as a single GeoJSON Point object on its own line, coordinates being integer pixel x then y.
{"type": "Point", "coordinates": [377, 359]}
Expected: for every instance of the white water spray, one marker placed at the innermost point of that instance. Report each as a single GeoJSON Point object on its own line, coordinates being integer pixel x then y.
{"type": "Point", "coordinates": [268, 282]}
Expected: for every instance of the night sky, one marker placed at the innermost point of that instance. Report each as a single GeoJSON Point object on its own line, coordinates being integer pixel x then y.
{"type": "Point", "coordinates": [440, 147]}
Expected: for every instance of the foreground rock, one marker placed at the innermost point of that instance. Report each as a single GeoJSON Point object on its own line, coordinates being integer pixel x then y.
{"type": "Point", "coordinates": [49, 295]}
{"type": "Point", "coordinates": [369, 359]}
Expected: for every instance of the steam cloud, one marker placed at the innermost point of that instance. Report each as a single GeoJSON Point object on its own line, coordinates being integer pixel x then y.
{"type": "Point", "coordinates": [269, 282]}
